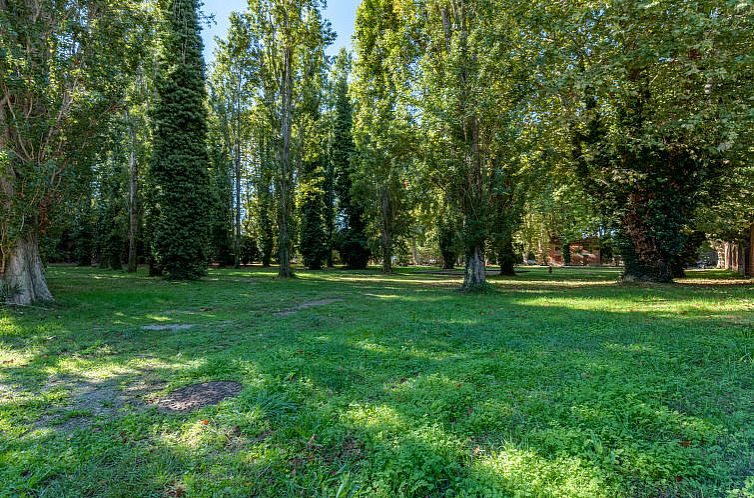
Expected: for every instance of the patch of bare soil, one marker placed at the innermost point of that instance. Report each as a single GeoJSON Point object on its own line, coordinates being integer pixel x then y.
{"type": "Point", "coordinates": [89, 399]}
{"type": "Point", "coordinates": [306, 305]}
{"type": "Point", "coordinates": [195, 396]}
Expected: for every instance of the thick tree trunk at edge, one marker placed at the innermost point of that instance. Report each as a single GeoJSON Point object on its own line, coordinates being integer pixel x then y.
{"type": "Point", "coordinates": [23, 279]}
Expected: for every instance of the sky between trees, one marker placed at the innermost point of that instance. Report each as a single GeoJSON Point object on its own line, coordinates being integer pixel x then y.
{"type": "Point", "coordinates": [342, 14]}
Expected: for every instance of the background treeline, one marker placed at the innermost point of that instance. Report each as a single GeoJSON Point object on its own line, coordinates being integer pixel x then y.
{"type": "Point", "coordinates": [460, 131]}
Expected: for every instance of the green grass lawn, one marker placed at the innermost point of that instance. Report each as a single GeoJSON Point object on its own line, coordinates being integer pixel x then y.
{"type": "Point", "coordinates": [562, 385]}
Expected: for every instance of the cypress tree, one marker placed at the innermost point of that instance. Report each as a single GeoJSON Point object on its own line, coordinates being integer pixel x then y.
{"type": "Point", "coordinates": [313, 233]}
{"type": "Point", "coordinates": [180, 162]}
{"type": "Point", "coordinates": [312, 173]}
{"type": "Point", "coordinates": [353, 246]}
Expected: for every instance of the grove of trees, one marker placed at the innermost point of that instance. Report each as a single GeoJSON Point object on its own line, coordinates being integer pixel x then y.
{"type": "Point", "coordinates": [458, 131]}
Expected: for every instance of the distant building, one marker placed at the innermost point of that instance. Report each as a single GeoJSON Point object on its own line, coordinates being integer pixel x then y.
{"type": "Point", "coordinates": [585, 252]}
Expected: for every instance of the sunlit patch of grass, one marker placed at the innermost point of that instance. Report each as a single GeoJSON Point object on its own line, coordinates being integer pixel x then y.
{"type": "Point", "coordinates": [521, 472]}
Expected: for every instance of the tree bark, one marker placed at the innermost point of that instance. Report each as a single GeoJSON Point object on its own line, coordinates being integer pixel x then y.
{"type": "Point", "coordinates": [22, 280]}
{"type": "Point", "coordinates": [475, 276]}
{"type": "Point", "coordinates": [133, 191]}
{"type": "Point", "coordinates": [750, 253]}
{"type": "Point", "coordinates": [415, 252]}
{"type": "Point", "coordinates": [237, 178]}
{"type": "Point", "coordinates": [387, 236]}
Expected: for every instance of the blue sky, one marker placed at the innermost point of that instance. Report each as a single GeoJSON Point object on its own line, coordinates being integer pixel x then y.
{"type": "Point", "coordinates": [341, 13]}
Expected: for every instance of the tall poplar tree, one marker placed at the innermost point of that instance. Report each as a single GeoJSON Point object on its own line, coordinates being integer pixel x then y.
{"type": "Point", "coordinates": [314, 244]}
{"type": "Point", "coordinates": [382, 124]}
{"type": "Point", "coordinates": [284, 31]}
{"type": "Point", "coordinates": [474, 80]}
{"type": "Point", "coordinates": [180, 163]}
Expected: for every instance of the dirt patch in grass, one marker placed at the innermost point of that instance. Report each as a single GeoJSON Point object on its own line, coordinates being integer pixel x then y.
{"type": "Point", "coordinates": [174, 327]}
{"type": "Point", "coordinates": [306, 305]}
{"type": "Point", "coordinates": [89, 399]}
{"type": "Point", "coordinates": [195, 396]}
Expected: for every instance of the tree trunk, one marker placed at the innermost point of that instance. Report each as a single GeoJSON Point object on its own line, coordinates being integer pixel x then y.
{"type": "Point", "coordinates": [415, 252]}
{"type": "Point", "coordinates": [387, 236]}
{"type": "Point", "coordinates": [750, 253]}
{"type": "Point", "coordinates": [22, 280]}
{"type": "Point", "coordinates": [645, 258]}
{"type": "Point", "coordinates": [133, 212]}
{"type": "Point", "coordinates": [285, 270]}
{"type": "Point", "coordinates": [507, 258]}
{"type": "Point", "coordinates": [237, 178]}
{"type": "Point", "coordinates": [387, 253]}
{"type": "Point", "coordinates": [475, 276]}
{"type": "Point", "coordinates": [237, 231]}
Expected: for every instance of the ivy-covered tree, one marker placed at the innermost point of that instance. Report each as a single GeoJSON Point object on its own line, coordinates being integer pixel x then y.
{"type": "Point", "coordinates": [654, 103]}
{"type": "Point", "coordinates": [179, 169]}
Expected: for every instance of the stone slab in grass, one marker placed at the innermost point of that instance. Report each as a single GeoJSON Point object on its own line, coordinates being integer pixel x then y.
{"type": "Point", "coordinates": [195, 396]}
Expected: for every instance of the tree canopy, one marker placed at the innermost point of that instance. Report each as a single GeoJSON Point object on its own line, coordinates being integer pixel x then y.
{"type": "Point", "coordinates": [474, 131]}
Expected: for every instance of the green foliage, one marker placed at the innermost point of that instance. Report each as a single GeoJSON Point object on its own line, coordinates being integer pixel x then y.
{"type": "Point", "coordinates": [221, 244]}
{"type": "Point", "coordinates": [313, 175]}
{"type": "Point", "coordinates": [448, 237]}
{"type": "Point", "coordinates": [265, 213]}
{"type": "Point", "coordinates": [179, 170]}
{"type": "Point", "coordinates": [382, 128]}
{"type": "Point", "coordinates": [249, 251]}
{"type": "Point", "coordinates": [632, 67]}
{"type": "Point", "coordinates": [352, 244]}
{"type": "Point", "coordinates": [63, 68]}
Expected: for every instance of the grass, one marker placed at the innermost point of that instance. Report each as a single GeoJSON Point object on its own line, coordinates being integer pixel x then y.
{"type": "Point", "coordinates": [554, 385]}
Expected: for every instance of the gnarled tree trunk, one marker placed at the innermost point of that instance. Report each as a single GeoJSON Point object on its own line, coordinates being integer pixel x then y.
{"type": "Point", "coordinates": [22, 279]}
{"type": "Point", "coordinates": [475, 275]}
{"type": "Point", "coordinates": [646, 258]}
